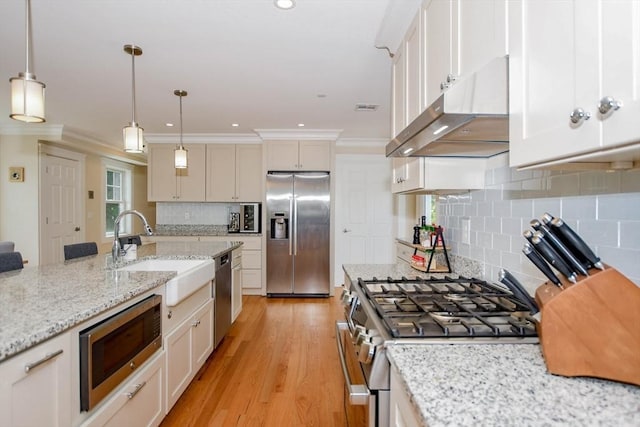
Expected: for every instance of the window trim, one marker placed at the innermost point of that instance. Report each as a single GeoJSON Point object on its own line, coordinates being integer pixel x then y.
{"type": "Point", "coordinates": [127, 195]}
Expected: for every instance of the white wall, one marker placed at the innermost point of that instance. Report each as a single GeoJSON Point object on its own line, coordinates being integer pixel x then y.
{"type": "Point", "coordinates": [602, 206]}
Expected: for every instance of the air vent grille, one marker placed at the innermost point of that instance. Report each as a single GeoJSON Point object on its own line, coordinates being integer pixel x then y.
{"type": "Point", "coordinates": [366, 107]}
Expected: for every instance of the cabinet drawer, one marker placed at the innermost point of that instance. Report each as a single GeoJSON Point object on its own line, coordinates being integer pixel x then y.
{"type": "Point", "coordinates": [251, 243]}
{"type": "Point", "coordinates": [251, 279]}
{"type": "Point", "coordinates": [251, 259]}
{"type": "Point", "coordinates": [404, 252]}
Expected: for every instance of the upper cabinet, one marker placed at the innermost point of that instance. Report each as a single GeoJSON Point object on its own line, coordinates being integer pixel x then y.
{"type": "Point", "coordinates": [168, 184]}
{"type": "Point", "coordinates": [299, 155]}
{"type": "Point", "coordinates": [234, 173]}
{"type": "Point", "coordinates": [459, 36]}
{"type": "Point", "coordinates": [574, 78]}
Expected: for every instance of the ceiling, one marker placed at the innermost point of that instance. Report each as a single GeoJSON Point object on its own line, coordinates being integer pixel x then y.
{"type": "Point", "coordinates": [241, 61]}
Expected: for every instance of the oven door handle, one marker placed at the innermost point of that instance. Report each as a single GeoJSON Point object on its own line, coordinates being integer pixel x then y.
{"type": "Point", "coordinates": [358, 393]}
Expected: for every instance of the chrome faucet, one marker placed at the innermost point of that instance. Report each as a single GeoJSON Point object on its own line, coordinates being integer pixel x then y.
{"type": "Point", "coordinates": [115, 249]}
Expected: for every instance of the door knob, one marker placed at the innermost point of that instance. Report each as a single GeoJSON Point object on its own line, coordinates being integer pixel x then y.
{"type": "Point", "coordinates": [607, 104]}
{"type": "Point", "coordinates": [76, 229]}
{"type": "Point", "coordinates": [579, 115]}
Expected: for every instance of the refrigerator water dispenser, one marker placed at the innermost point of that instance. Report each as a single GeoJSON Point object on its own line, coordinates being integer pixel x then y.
{"type": "Point", "coordinates": [279, 226]}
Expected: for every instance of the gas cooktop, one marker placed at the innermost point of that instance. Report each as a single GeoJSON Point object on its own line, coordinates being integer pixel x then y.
{"type": "Point", "coordinates": [447, 308]}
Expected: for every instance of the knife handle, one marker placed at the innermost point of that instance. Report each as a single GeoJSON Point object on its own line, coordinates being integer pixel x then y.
{"type": "Point", "coordinates": [539, 262]}
{"type": "Point", "coordinates": [552, 257]}
{"type": "Point", "coordinates": [573, 241]}
{"type": "Point", "coordinates": [535, 224]}
{"type": "Point", "coordinates": [518, 290]}
{"type": "Point", "coordinates": [564, 252]}
{"type": "Point", "coordinates": [528, 234]}
{"type": "Point", "coordinates": [547, 218]}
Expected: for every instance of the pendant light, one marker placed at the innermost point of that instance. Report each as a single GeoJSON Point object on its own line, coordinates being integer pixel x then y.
{"type": "Point", "coordinates": [133, 134]}
{"type": "Point", "coordinates": [180, 153]}
{"type": "Point", "coordinates": [27, 94]}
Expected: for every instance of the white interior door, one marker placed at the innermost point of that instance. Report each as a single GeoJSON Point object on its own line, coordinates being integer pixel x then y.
{"type": "Point", "coordinates": [61, 218]}
{"type": "Point", "coordinates": [364, 212]}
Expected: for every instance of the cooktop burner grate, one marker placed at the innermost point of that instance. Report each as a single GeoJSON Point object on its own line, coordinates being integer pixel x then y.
{"type": "Point", "coordinates": [447, 307]}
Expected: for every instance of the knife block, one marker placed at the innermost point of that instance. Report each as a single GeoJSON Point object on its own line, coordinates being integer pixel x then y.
{"type": "Point", "coordinates": [592, 328]}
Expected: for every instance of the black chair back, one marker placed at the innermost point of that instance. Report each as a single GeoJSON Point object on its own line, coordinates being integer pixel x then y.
{"type": "Point", "coordinates": [10, 261]}
{"type": "Point", "coordinates": [78, 250]}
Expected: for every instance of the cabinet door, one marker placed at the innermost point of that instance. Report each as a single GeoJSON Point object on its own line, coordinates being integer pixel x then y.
{"type": "Point", "coordinates": [439, 62]}
{"type": "Point", "coordinates": [191, 181]}
{"type": "Point", "coordinates": [552, 73]}
{"type": "Point", "coordinates": [282, 155]}
{"type": "Point", "coordinates": [248, 173]}
{"type": "Point", "coordinates": [221, 173]}
{"type": "Point", "coordinates": [179, 364]}
{"type": "Point", "coordinates": [402, 413]}
{"type": "Point", "coordinates": [415, 174]}
{"type": "Point", "coordinates": [399, 174]}
{"type": "Point", "coordinates": [398, 106]}
{"type": "Point", "coordinates": [202, 323]}
{"type": "Point", "coordinates": [314, 155]}
{"type": "Point", "coordinates": [139, 403]}
{"type": "Point", "coordinates": [479, 33]}
{"type": "Point", "coordinates": [621, 69]}
{"type": "Point", "coordinates": [161, 175]}
{"type": "Point", "coordinates": [236, 294]}
{"type": "Point", "coordinates": [40, 396]}
{"type": "Point", "coordinates": [413, 57]}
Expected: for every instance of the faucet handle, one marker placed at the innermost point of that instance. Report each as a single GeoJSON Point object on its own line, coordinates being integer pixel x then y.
{"type": "Point", "coordinates": [148, 229]}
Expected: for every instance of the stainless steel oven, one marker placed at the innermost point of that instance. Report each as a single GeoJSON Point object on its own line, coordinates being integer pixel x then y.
{"type": "Point", "coordinates": [115, 347]}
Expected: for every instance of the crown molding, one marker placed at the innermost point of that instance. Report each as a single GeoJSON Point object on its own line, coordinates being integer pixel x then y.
{"type": "Point", "coordinates": [203, 138]}
{"type": "Point", "coordinates": [43, 130]}
{"type": "Point", "coordinates": [362, 142]}
{"type": "Point", "coordinates": [296, 134]}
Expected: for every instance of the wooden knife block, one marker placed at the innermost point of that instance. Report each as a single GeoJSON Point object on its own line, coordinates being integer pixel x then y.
{"type": "Point", "coordinates": [592, 328]}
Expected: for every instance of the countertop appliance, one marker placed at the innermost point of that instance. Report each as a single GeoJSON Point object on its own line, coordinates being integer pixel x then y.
{"type": "Point", "coordinates": [234, 222]}
{"type": "Point", "coordinates": [112, 349]}
{"type": "Point", "coordinates": [425, 311]}
{"type": "Point", "coordinates": [470, 119]}
{"type": "Point", "coordinates": [250, 218]}
{"type": "Point", "coordinates": [298, 213]}
{"type": "Point", "coordinates": [222, 295]}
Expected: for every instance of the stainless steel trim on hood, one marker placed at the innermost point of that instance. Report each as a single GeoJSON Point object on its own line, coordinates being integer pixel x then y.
{"type": "Point", "coordinates": [470, 119]}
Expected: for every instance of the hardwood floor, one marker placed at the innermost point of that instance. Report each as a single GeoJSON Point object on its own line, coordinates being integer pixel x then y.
{"type": "Point", "coordinates": [278, 366]}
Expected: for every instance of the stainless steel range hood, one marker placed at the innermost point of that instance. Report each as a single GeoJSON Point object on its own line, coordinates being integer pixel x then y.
{"type": "Point", "coordinates": [470, 119]}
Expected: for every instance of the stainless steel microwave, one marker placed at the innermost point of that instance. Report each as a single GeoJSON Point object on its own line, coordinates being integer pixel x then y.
{"type": "Point", "coordinates": [250, 217]}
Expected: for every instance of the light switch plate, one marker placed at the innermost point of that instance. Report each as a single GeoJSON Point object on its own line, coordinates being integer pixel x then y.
{"type": "Point", "coordinates": [16, 174]}
{"type": "Point", "coordinates": [465, 230]}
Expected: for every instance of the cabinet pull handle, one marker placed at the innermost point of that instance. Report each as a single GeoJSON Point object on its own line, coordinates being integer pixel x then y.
{"type": "Point", "coordinates": [579, 115]}
{"type": "Point", "coordinates": [135, 391]}
{"type": "Point", "coordinates": [195, 324]}
{"type": "Point", "coordinates": [607, 104]}
{"type": "Point", "coordinates": [46, 358]}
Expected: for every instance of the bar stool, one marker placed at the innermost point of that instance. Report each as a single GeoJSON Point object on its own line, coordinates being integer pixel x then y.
{"type": "Point", "coordinates": [10, 261]}
{"type": "Point", "coordinates": [77, 250]}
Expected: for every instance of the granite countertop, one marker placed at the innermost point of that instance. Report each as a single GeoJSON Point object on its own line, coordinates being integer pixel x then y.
{"type": "Point", "coordinates": [192, 230]}
{"type": "Point", "coordinates": [41, 302]}
{"type": "Point", "coordinates": [459, 266]}
{"type": "Point", "coordinates": [506, 385]}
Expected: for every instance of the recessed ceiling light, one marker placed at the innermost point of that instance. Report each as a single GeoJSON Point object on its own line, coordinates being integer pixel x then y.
{"type": "Point", "coordinates": [169, 125]}
{"type": "Point", "coordinates": [285, 4]}
{"type": "Point", "coordinates": [300, 125]}
{"type": "Point", "coordinates": [235, 125]}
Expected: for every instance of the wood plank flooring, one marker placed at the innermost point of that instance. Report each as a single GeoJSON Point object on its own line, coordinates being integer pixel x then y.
{"type": "Point", "coordinates": [278, 366]}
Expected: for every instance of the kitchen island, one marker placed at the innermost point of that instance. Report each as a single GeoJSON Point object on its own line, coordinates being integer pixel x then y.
{"type": "Point", "coordinates": [491, 384]}
{"type": "Point", "coordinates": [41, 302]}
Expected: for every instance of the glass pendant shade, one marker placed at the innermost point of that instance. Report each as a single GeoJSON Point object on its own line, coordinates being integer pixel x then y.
{"type": "Point", "coordinates": [180, 157]}
{"type": "Point", "coordinates": [133, 138]}
{"type": "Point", "coordinates": [27, 99]}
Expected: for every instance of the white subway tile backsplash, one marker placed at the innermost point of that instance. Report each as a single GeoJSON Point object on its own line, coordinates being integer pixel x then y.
{"type": "Point", "coordinates": [522, 208]}
{"type": "Point", "coordinates": [502, 242]}
{"type": "Point", "coordinates": [598, 232]}
{"type": "Point", "coordinates": [597, 182]}
{"type": "Point", "coordinates": [492, 224]}
{"type": "Point", "coordinates": [580, 207]}
{"type": "Point", "coordinates": [630, 235]}
{"type": "Point", "coordinates": [514, 226]}
{"type": "Point", "coordinates": [621, 206]}
{"type": "Point", "coordinates": [552, 206]}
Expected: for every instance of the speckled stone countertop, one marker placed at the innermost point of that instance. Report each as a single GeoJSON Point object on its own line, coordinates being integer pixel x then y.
{"type": "Point", "coordinates": [506, 385]}
{"type": "Point", "coordinates": [196, 230]}
{"type": "Point", "coordinates": [41, 302]}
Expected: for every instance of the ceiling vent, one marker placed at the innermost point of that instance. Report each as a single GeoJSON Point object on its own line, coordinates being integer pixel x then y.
{"type": "Point", "coordinates": [366, 107]}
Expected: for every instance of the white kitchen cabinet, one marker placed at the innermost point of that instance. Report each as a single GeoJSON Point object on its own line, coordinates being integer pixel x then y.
{"type": "Point", "coordinates": [168, 184]}
{"type": "Point", "coordinates": [234, 173]}
{"type": "Point", "coordinates": [460, 36]}
{"type": "Point", "coordinates": [187, 347]}
{"type": "Point", "coordinates": [404, 252]}
{"type": "Point", "coordinates": [236, 283]}
{"type": "Point", "coordinates": [35, 389]}
{"type": "Point", "coordinates": [402, 412]}
{"type": "Point", "coordinates": [139, 403]}
{"type": "Point", "coordinates": [408, 174]}
{"type": "Point", "coordinates": [299, 155]}
{"type": "Point", "coordinates": [565, 57]}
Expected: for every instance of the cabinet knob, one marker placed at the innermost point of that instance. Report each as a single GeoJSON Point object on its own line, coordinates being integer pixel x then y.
{"type": "Point", "coordinates": [607, 104]}
{"type": "Point", "coordinates": [451, 78]}
{"type": "Point", "coordinates": [444, 85]}
{"type": "Point", "coordinates": [579, 115]}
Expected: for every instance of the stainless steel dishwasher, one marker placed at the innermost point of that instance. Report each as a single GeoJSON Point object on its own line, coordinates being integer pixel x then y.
{"type": "Point", "coordinates": [222, 295]}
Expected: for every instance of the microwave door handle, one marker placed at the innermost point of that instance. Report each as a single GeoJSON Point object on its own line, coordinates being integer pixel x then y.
{"type": "Point", "coordinates": [291, 218]}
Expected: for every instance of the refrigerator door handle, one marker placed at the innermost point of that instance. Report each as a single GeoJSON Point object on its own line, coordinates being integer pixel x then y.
{"type": "Point", "coordinates": [295, 225]}
{"type": "Point", "coordinates": [291, 224]}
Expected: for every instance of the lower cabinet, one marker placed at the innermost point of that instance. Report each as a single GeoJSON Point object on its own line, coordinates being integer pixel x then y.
{"type": "Point", "coordinates": [402, 413]}
{"type": "Point", "coordinates": [35, 387]}
{"type": "Point", "coordinates": [236, 284]}
{"type": "Point", "coordinates": [188, 347]}
{"type": "Point", "coordinates": [140, 403]}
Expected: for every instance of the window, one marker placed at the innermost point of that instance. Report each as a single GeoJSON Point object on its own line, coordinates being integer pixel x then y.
{"type": "Point", "coordinates": [117, 198]}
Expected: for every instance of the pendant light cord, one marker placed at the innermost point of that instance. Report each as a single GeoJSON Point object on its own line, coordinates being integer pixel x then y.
{"type": "Point", "coordinates": [181, 146]}
{"type": "Point", "coordinates": [133, 88]}
{"type": "Point", "coordinates": [27, 38]}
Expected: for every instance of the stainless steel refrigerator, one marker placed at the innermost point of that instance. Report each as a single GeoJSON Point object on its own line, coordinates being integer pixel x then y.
{"type": "Point", "coordinates": [298, 214]}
